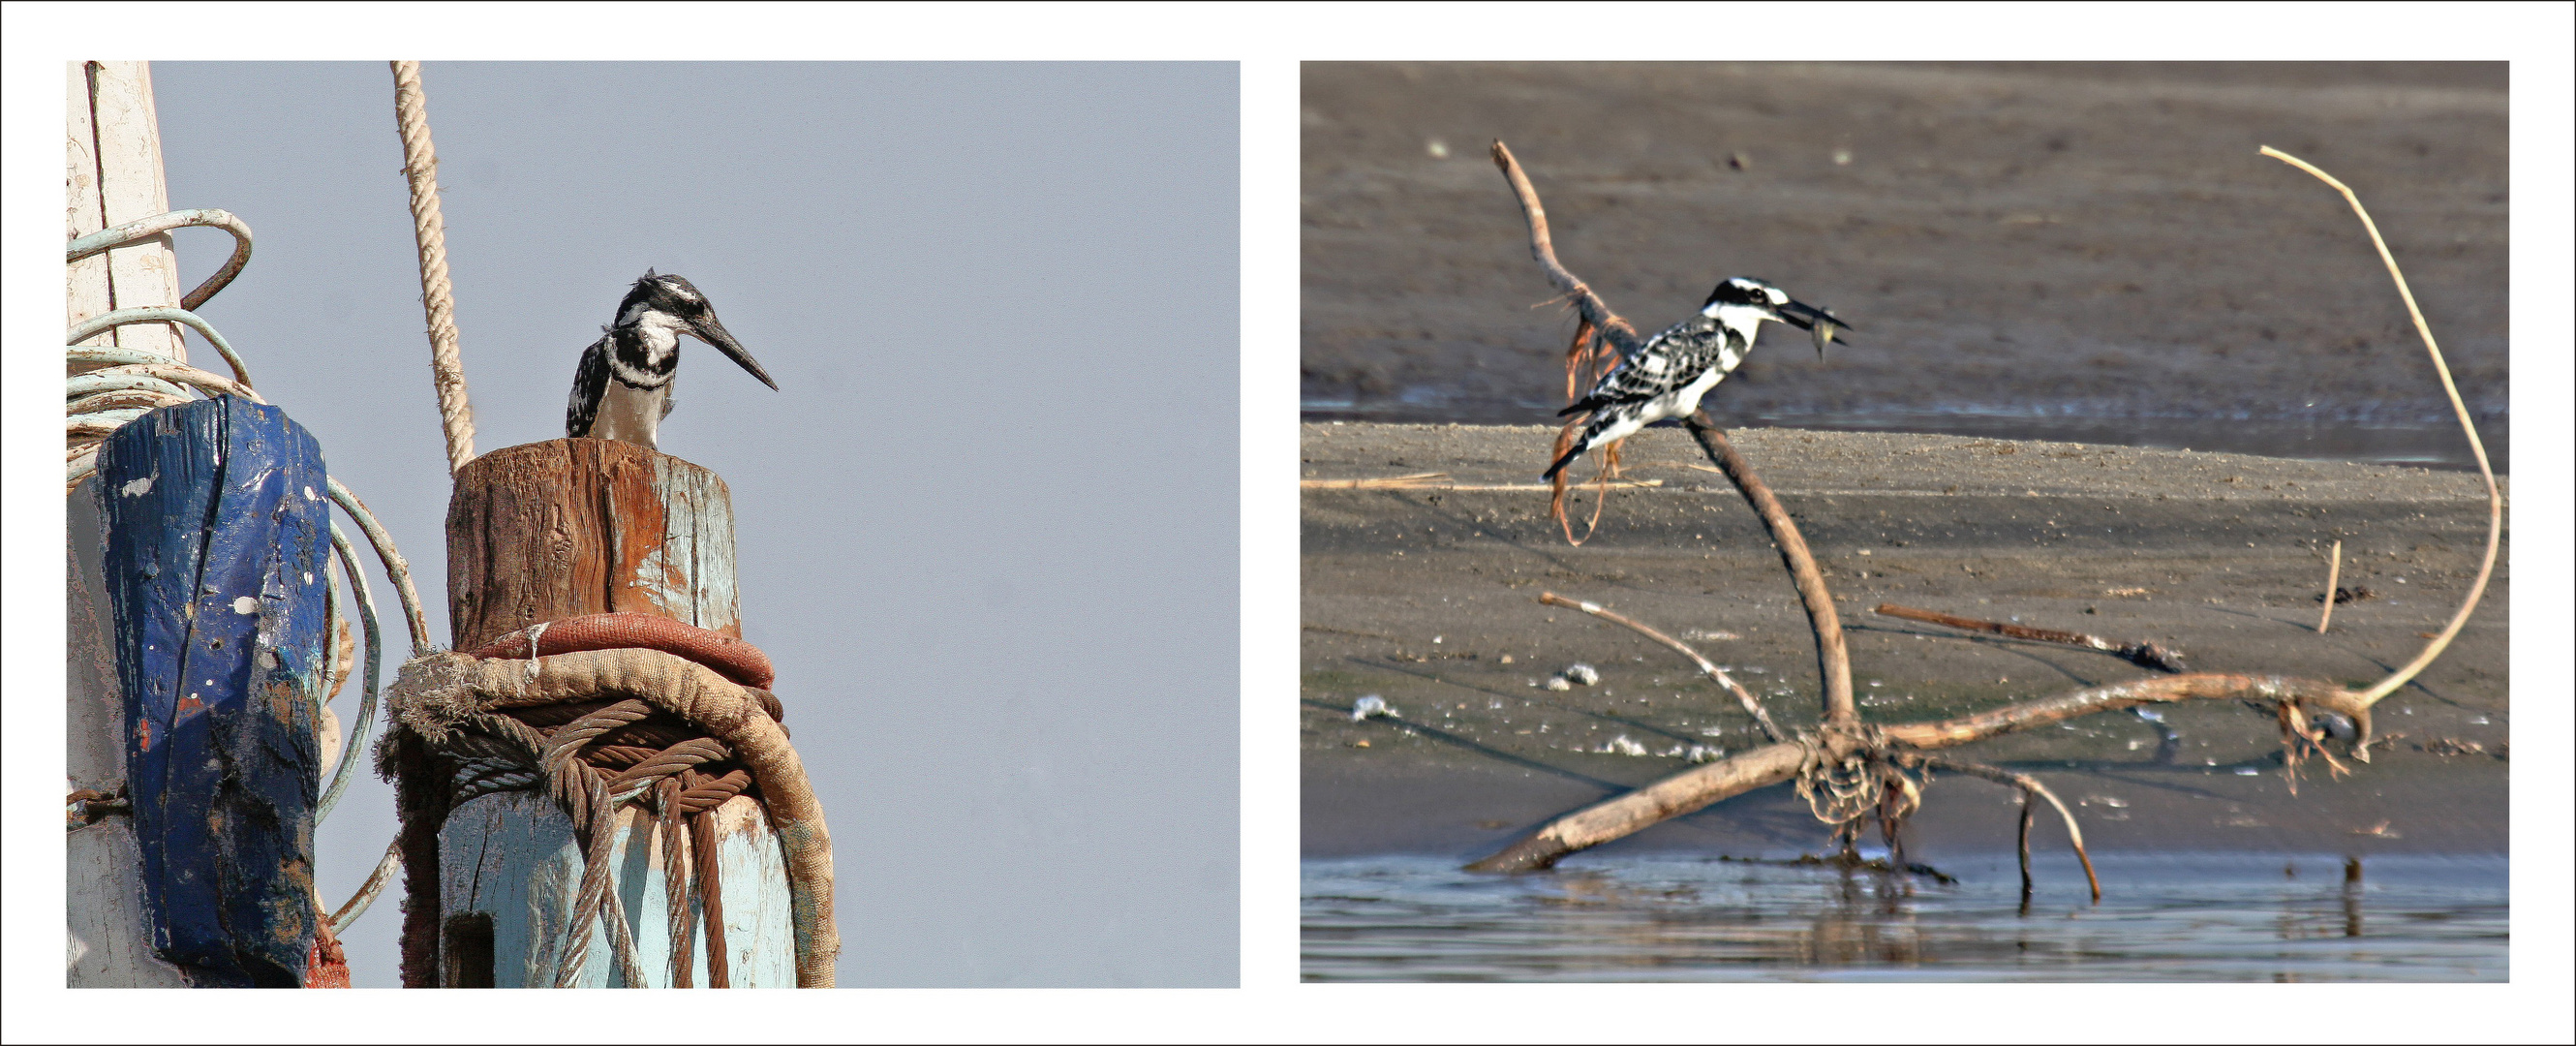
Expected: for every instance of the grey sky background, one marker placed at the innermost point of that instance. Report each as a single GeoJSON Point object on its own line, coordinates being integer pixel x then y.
{"type": "Point", "coordinates": [988, 528]}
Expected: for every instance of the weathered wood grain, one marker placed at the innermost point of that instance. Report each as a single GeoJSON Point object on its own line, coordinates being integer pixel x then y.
{"type": "Point", "coordinates": [217, 532]}
{"type": "Point", "coordinates": [511, 867]}
{"type": "Point", "coordinates": [131, 187]}
{"type": "Point", "coordinates": [545, 531]}
{"type": "Point", "coordinates": [87, 291]}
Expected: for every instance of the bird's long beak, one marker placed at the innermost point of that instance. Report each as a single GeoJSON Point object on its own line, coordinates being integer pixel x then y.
{"type": "Point", "coordinates": [712, 331]}
{"type": "Point", "coordinates": [1825, 325]}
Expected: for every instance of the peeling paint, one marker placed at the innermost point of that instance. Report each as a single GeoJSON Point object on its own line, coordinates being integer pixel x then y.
{"type": "Point", "coordinates": [136, 488]}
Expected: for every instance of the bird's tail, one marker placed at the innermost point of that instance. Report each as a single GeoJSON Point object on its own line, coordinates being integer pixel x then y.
{"type": "Point", "coordinates": [1581, 443]}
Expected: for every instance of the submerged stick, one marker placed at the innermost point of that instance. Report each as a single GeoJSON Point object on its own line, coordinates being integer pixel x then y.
{"type": "Point", "coordinates": [1761, 716]}
{"type": "Point", "coordinates": [2148, 654]}
{"type": "Point", "coordinates": [1833, 661]}
{"type": "Point", "coordinates": [2334, 573]}
{"type": "Point", "coordinates": [2495, 498]}
{"type": "Point", "coordinates": [2024, 842]}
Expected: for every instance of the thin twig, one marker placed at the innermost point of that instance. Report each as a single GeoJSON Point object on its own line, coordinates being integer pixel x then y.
{"type": "Point", "coordinates": [2495, 498]}
{"type": "Point", "coordinates": [2147, 654]}
{"type": "Point", "coordinates": [2029, 786]}
{"type": "Point", "coordinates": [1414, 480]}
{"type": "Point", "coordinates": [2334, 573]}
{"type": "Point", "coordinates": [1760, 715]}
{"type": "Point", "coordinates": [1833, 661]}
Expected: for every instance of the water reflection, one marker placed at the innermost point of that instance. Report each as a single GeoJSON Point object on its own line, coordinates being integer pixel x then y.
{"type": "Point", "coordinates": [2200, 917]}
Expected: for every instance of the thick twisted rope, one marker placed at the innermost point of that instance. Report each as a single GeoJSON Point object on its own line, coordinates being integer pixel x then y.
{"type": "Point", "coordinates": [429, 230]}
{"type": "Point", "coordinates": [488, 719]}
{"type": "Point", "coordinates": [500, 752]}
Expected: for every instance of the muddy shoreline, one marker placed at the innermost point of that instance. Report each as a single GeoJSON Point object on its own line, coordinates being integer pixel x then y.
{"type": "Point", "coordinates": [1427, 598]}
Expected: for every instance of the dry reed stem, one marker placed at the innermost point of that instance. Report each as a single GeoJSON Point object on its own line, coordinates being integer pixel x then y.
{"type": "Point", "coordinates": [1440, 481]}
{"type": "Point", "coordinates": [2334, 573]}
{"type": "Point", "coordinates": [2495, 498]}
{"type": "Point", "coordinates": [1833, 660]}
{"type": "Point", "coordinates": [1752, 705]}
{"type": "Point", "coordinates": [1372, 483]}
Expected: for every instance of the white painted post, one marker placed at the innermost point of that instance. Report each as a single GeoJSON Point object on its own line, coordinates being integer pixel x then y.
{"type": "Point", "coordinates": [510, 868]}
{"type": "Point", "coordinates": [125, 147]}
{"type": "Point", "coordinates": [113, 176]}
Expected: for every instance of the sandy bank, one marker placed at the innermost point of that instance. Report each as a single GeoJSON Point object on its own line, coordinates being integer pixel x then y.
{"type": "Point", "coordinates": [1427, 597]}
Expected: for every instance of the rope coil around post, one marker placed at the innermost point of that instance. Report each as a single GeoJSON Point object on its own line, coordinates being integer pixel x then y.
{"type": "Point", "coordinates": [597, 730]}
{"type": "Point", "coordinates": [437, 295]}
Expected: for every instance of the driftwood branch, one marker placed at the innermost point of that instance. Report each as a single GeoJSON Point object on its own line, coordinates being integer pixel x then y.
{"type": "Point", "coordinates": [2029, 786]}
{"type": "Point", "coordinates": [2495, 497]}
{"type": "Point", "coordinates": [1600, 338]}
{"type": "Point", "coordinates": [2198, 686]}
{"type": "Point", "coordinates": [2146, 654]}
{"type": "Point", "coordinates": [1595, 313]}
{"type": "Point", "coordinates": [1833, 661]}
{"type": "Point", "coordinates": [1761, 716]}
{"type": "Point", "coordinates": [1843, 748]}
{"type": "Point", "coordinates": [1693, 789]}
{"type": "Point", "coordinates": [1631, 812]}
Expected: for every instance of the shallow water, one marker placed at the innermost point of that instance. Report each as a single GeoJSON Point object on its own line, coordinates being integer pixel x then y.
{"type": "Point", "coordinates": [2163, 917]}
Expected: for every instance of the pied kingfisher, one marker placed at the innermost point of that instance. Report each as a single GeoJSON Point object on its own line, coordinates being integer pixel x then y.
{"type": "Point", "coordinates": [1667, 376]}
{"type": "Point", "coordinates": [623, 387]}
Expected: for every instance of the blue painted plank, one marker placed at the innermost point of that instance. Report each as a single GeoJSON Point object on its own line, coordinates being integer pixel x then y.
{"type": "Point", "coordinates": [217, 533]}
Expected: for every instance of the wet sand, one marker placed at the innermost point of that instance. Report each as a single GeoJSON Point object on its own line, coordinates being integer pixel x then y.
{"type": "Point", "coordinates": [2028, 250]}
{"type": "Point", "coordinates": [1428, 598]}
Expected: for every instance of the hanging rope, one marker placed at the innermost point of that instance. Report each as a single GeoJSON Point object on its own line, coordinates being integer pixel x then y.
{"type": "Point", "coordinates": [420, 164]}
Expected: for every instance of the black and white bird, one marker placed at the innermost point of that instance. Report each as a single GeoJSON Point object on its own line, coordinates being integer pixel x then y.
{"type": "Point", "coordinates": [1666, 377]}
{"type": "Point", "coordinates": [623, 388]}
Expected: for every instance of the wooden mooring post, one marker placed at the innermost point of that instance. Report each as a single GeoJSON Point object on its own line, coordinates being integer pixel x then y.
{"type": "Point", "coordinates": [558, 530]}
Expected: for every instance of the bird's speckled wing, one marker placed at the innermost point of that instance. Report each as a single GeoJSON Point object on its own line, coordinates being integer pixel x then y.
{"type": "Point", "coordinates": [589, 387]}
{"type": "Point", "coordinates": [1668, 361]}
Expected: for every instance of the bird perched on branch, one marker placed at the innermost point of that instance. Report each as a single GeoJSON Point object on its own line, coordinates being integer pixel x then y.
{"type": "Point", "coordinates": [1666, 377]}
{"type": "Point", "coordinates": [622, 389]}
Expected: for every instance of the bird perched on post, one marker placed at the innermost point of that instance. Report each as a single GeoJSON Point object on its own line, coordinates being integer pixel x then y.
{"type": "Point", "coordinates": [622, 389]}
{"type": "Point", "coordinates": [1668, 375]}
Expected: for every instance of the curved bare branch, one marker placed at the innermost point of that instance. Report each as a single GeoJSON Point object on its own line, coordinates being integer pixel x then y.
{"type": "Point", "coordinates": [2495, 498]}
{"type": "Point", "coordinates": [1595, 312]}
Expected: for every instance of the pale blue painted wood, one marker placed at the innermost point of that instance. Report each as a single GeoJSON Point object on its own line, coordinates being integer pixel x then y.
{"type": "Point", "coordinates": [514, 857]}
